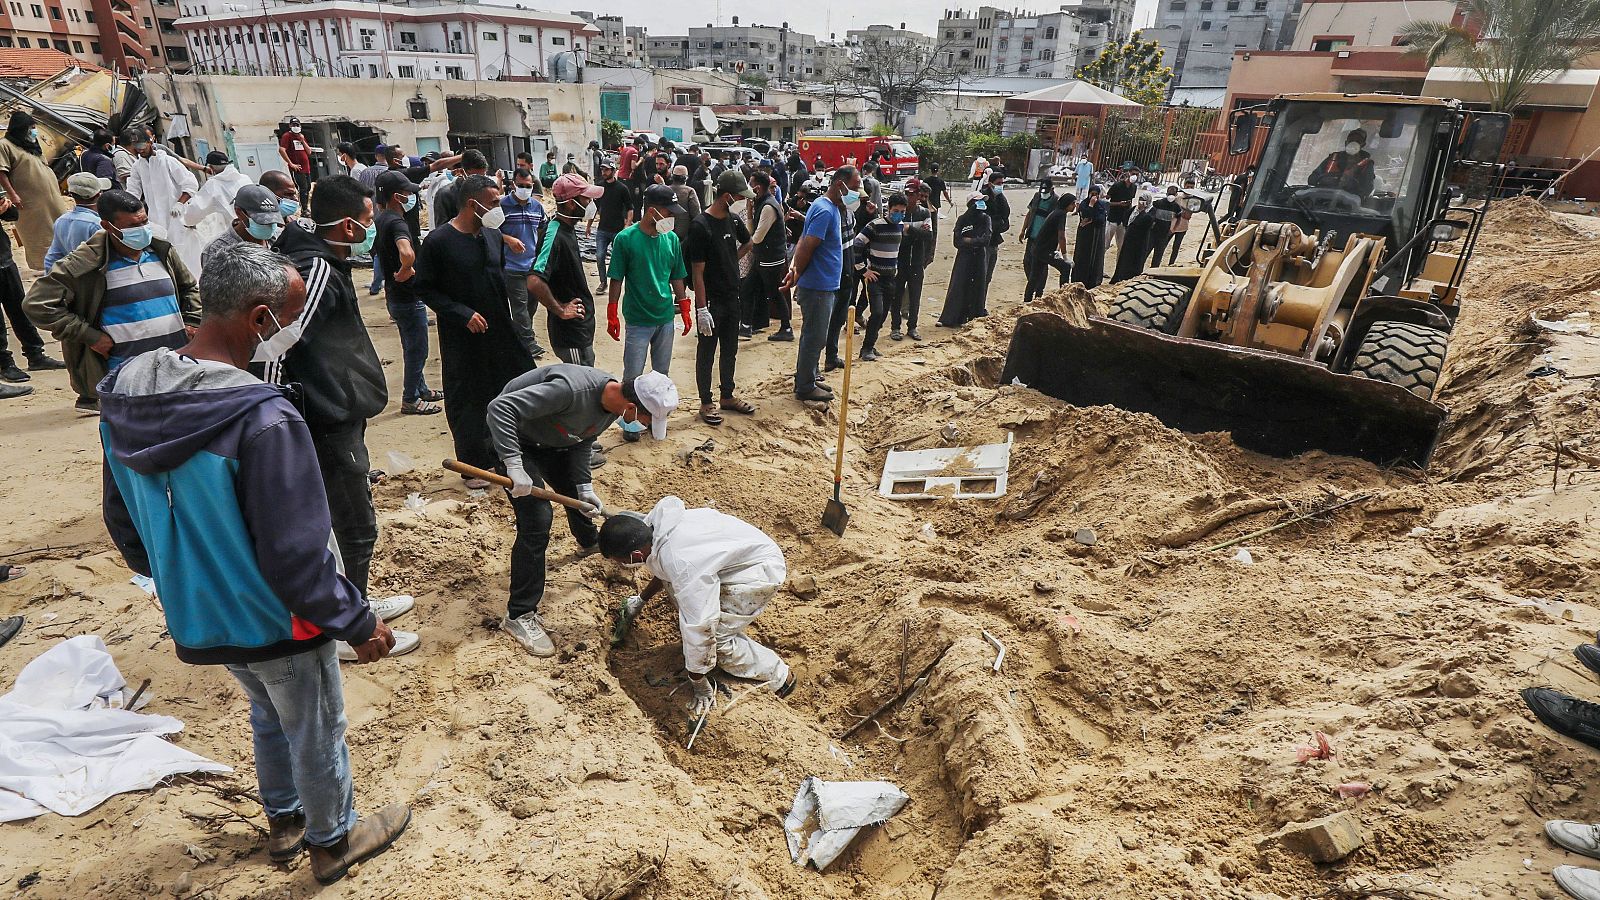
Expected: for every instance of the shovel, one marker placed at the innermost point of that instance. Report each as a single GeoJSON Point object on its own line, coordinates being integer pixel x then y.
{"type": "Point", "coordinates": [542, 493]}
{"type": "Point", "coordinates": [834, 515]}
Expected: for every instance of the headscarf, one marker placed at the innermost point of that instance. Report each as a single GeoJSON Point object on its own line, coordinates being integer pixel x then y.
{"type": "Point", "coordinates": [20, 130]}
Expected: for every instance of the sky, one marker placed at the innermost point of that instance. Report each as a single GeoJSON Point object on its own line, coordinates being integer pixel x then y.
{"type": "Point", "coordinates": [819, 19]}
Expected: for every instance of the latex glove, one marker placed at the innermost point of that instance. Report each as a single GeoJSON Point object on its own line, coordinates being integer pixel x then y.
{"type": "Point", "coordinates": [705, 695]}
{"type": "Point", "coordinates": [704, 322]}
{"type": "Point", "coordinates": [683, 312]}
{"type": "Point", "coordinates": [613, 322]}
{"type": "Point", "coordinates": [631, 606]}
{"type": "Point", "coordinates": [586, 494]}
{"type": "Point", "coordinates": [521, 484]}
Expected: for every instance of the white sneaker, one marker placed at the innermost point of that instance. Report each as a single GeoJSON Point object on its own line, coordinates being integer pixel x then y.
{"type": "Point", "coordinates": [404, 642]}
{"type": "Point", "coordinates": [392, 608]}
{"type": "Point", "coordinates": [1579, 837]}
{"type": "Point", "coordinates": [1581, 883]}
{"type": "Point", "coordinates": [529, 631]}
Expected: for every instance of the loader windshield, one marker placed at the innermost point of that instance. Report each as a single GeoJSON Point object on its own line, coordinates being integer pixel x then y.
{"type": "Point", "coordinates": [1343, 166]}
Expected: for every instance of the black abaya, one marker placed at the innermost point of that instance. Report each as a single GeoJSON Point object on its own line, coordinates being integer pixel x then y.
{"type": "Point", "coordinates": [969, 276]}
{"type": "Point", "coordinates": [1089, 254]}
{"type": "Point", "coordinates": [1135, 247]}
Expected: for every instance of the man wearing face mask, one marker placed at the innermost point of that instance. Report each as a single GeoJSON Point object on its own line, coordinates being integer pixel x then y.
{"type": "Point", "coordinates": [1348, 169]}
{"type": "Point", "coordinates": [31, 185]}
{"type": "Point", "coordinates": [295, 151]}
{"type": "Point", "coordinates": [165, 185]}
{"type": "Point", "coordinates": [121, 293]}
{"type": "Point", "coordinates": [524, 219]}
{"type": "Point", "coordinates": [396, 252]}
{"type": "Point", "coordinates": [461, 276]}
{"type": "Point", "coordinates": [282, 187]}
{"type": "Point", "coordinates": [688, 198]}
{"type": "Point", "coordinates": [647, 258]}
{"type": "Point", "coordinates": [334, 361]}
{"type": "Point", "coordinates": [815, 274]}
{"type": "Point", "coordinates": [557, 280]}
{"type": "Point", "coordinates": [544, 425]}
{"type": "Point", "coordinates": [713, 247]}
{"type": "Point", "coordinates": [256, 220]}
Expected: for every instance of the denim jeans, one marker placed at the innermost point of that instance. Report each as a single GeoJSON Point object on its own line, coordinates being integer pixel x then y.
{"type": "Point", "coordinates": [637, 340]}
{"type": "Point", "coordinates": [411, 317]}
{"type": "Point", "coordinates": [521, 315]}
{"type": "Point", "coordinates": [816, 309]}
{"type": "Point", "coordinates": [377, 274]}
{"type": "Point", "coordinates": [297, 722]}
{"type": "Point", "coordinates": [602, 253]}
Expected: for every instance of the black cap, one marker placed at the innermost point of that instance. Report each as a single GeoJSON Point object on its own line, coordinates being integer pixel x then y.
{"type": "Point", "coordinates": [217, 158]}
{"type": "Point", "coordinates": [260, 204]}
{"type": "Point", "coordinates": [662, 197]}
{"type": "Point", "coordinates": [394, 182]}
{"type": "Point", "coordinates": [294, 120]}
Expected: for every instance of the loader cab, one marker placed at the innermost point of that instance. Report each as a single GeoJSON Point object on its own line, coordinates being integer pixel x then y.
{"type": "Point", "coordinates": [1349, 167]}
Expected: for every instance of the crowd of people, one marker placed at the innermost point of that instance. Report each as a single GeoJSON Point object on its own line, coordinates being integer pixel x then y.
{"type": "Point", "coordinates": [236, 378]}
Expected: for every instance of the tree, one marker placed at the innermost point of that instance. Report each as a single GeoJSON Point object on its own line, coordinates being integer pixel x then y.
{"type": "Point", "coordinates": [1134, 69]}
{"type": "Point", "coordinates": [892, 75]}
{"type": "Point", "coordinates": [1511, 45]}
{"type": "Point", "coordinates": [610, 133]}
{"type": "Point", "coordinates": [954, 147]}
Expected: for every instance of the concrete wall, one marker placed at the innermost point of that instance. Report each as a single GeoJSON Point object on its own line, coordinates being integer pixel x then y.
{"type": "Point", "coordinates": [944, 110]}
{"type": "Point", "coordinates": [1367, 23]}
{"type": "Point", "coordinates": [243, 111]}
{"type": "Point", "coordinates": [1268, 73]}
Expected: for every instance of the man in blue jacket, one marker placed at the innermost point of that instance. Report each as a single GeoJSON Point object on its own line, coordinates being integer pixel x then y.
{"type": "Point", "coordinates": [212, 488]}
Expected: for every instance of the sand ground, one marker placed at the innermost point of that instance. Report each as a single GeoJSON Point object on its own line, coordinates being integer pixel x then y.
{"type": "Point", "coordinates": [1139, 739]}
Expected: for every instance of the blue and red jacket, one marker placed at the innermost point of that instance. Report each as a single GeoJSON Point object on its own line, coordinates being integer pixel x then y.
{"type": "Point", "coordinates": [216, 495]}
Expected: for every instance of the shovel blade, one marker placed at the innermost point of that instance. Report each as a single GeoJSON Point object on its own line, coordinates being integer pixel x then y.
{"type": "Point", "coordinates": [835, 516]}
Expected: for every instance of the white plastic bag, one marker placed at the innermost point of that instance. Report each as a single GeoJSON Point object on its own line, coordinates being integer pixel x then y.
{"type": "Point", "coordinates": [827, 815]}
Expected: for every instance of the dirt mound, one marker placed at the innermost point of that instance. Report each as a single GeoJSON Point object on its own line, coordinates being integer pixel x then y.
{"type": "Point", "coordinates": [1525, 217]}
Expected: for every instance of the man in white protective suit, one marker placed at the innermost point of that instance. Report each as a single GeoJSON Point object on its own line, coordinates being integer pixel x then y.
{"type": "Point", "coordinates": [721, 572]}
{"type": "Point", "coordinates": [165, 185]}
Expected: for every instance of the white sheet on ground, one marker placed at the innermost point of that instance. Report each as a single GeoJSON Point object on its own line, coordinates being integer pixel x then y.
{"type": "Point", "coordinates": [827, 815]}
{"type": "Point", "coordinates": [66, 743]}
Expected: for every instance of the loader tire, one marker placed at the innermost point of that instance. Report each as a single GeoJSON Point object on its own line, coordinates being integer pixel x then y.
{"type": "Point", "coordinates": [1151, 303]}
{"type": "Point", "coordinates": [1401, 353]}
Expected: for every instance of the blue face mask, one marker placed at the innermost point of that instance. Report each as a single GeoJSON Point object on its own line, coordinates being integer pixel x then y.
{"type": "Point", "coordinates": [410, 203]}
{"type": "Point", "coordinates": [136, 238]}
{"type": "Point", "coordinates": [897, 218]}
{"type": "Point", "coordinates": [851, 199]}
{"type": "Point", "coordinates": [288, 207]}
{"type": "Point", "coordinates": [980, 204]}
{"type": "Point", "coordinates": [634, 427]}
{"type": "Point", "coordinates": [263, 232]}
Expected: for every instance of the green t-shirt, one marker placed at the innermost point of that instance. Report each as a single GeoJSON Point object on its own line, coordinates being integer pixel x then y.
{"type": "Point", "coordinates": [646, 266]}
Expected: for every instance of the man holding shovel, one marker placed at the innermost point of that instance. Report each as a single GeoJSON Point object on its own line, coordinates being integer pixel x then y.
{"type": "Point", "coordinates": [543, 426]}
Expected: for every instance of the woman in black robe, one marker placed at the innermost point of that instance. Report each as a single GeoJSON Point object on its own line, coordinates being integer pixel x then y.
{"type": "Point", "coordinates": [968, 293]}
{"type": "Point", "coordinates": [1136, 245]}
{"type": "Point", "coordinates": [1089, 253]}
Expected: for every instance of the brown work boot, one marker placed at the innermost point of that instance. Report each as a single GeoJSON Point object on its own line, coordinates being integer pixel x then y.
{"type": "Point", "coordinates": [371, 836]}
{"type": "Point", "coordinates": [286, 836]}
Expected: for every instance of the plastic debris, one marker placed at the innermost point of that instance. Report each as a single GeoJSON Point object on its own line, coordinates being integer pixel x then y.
{"type": "Point", "coordinates": [1319, 748]}
{"type": "Point", "coordinates": [1017, 381]}
{"type": "Point", "coordinates": [1243, 557]}
{"type": "Point", "coordinates": [1576, 323]}
{"type": "Point", "coordinates": [415, 503]}
{"type": "Point", "coordinates": [1086, 537]}
{"type": "Point", "coordinates": [1000, 649]}
{"type": "Point", "coordinates": [827, 816]}
{"type": "Point", "coordinates": [144, 583]}
{"type": "Point", "coordinates": [927, 533]}
{"type": "Point", "coordinates": [1352, 789]}
{"type": "Point", "coordinates": [399, 463]}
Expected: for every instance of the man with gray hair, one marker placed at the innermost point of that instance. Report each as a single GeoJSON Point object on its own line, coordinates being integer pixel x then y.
{"type": "Point", "coordinates": [212, 488]}
{"type": "Point", "coordinates": [688, 198]}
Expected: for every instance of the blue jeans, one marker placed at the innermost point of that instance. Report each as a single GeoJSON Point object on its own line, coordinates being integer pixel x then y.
{"type": "Point", "coordinates": [412, 320]}
{"type": "Point", "coordinates": [297, 720]}
{"type": "Point", "coordinates": [377, 274]}
{"type": "Point", "coordinates": [639, 339]}
{"type": "Point", "coordinates": [602, 253]}
{"type": "Point", "coordinates": [816, 308]}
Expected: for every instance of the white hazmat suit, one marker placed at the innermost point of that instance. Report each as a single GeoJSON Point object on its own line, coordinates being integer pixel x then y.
{"type": "Point", "coordinates": [721, 572]}
{"type": "Point", "coordinates": [210, 212]}
{"type": "Point", "coordinates": [159, 181]}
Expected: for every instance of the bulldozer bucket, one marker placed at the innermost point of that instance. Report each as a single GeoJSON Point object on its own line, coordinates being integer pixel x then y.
{"type": "Point", "coordinates": [1270, 403]}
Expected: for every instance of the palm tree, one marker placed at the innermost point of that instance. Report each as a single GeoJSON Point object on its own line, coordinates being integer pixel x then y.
{"type": "Point", "coordinates": [1511, 45]}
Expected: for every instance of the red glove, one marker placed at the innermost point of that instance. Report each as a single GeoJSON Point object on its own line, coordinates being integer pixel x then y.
{"type": "Point", "coordinates": [613, 324]}
{"type": "Point", "coordinates": [683, 310]}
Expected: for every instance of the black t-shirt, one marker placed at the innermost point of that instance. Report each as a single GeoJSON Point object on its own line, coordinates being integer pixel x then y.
{"type": "Point", "coordinates": [1049, 236]}
{"type": "Point", "coordinates": [1120, 191]}
{"type": "Point", "coordinates": [936, 190]}
{"type": "Point", "coordinates": [392, 227]}
{"type": "Point", "coordinates": [559, 266]}
{"type": "Point", "coordinates": [613, 206]}
{"type": "Point", "coordinates": [716, 243]}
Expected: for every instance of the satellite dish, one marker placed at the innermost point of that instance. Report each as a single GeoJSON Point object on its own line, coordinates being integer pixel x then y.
{"type": "Point", "coordinates": [708, 121]}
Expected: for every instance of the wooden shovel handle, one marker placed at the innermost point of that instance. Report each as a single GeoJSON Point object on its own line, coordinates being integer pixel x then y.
{"type": "Point", "coordinates": [496, 478]}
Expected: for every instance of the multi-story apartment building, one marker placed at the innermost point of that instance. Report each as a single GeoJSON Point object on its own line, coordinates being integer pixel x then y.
{"type": "Point", "coordinates": [1199, 39]}
{"type": "Point", "coordinates": [887, 36]}
{"type": "Point", "coordinates": [358, 39]}
{"type": "Point", "coordinates": [1054, 43]}
{"type": "Point", "coordinates": [617, 44]}
{"type": "Point", "coordinates": [774, 52]}
{"type": "Point", "coordinates": [110, 33]}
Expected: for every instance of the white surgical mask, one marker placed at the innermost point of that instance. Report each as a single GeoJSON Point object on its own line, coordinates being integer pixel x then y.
{"type": "Point", "coordinates": [295, 128]}
{"type": "Point", "coordinates": [524, 194]}
{"type": "Point", "coordinates": [1352, 148]}
{"type": "Point", "coordinates": [272, 349]}
{"type": "Point", "coordinates": [665, 224]}
{"type": "Point", "coordinates": [492, 217]}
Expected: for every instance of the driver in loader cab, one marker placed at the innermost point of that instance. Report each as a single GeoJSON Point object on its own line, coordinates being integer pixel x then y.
{"type": "Point", "coordinates": [1349, 169]}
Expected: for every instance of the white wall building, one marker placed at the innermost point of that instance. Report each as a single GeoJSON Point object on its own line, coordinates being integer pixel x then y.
{"type": "Point", "coordinates": [354, 39]}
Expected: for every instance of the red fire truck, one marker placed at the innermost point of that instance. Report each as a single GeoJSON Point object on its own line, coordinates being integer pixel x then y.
{"type": "Point", "coordinates": [837, 148]}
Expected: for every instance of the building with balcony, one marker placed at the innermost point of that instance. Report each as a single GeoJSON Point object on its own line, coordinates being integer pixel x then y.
{"type": "Point", "coordinates": [1200, 37]}
{"type": "Point", "coordinates": [989, 41]}
{"type": "Point", "coordinates": [415, 41]}
{"type": "Point", "coordinates": [109, 33]}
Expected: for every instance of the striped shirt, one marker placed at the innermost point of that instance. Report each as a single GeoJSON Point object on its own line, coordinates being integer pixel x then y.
{"type": "Point", "coordinates": [882, 240]}
{"type": "Point", "coordinates": [140, 311]}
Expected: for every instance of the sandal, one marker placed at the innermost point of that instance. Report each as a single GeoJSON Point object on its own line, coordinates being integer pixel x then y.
{"type": "Point", "coordinates": [431, 396]}
{"type": "Point", "coordinates": [420, 408]}
{"type": "Point", "coordinates": [708, 414]}
{"type": "Point", "coordinates": [10, 573]}
{"type": "Point", "coordinates": [733, 404]}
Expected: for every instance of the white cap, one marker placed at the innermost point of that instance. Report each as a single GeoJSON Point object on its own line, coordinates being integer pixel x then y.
{"type": "Point", "coordinates": [660, 397]}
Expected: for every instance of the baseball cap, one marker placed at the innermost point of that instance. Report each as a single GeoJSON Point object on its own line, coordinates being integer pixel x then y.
{"type": "Point", "coordinates": [217, 158]}
{"type": "Point", "coordinates": [259, 203]}
{"type": "Point", "coordinates": [294, 120]}
{"type": "Point", "coordinates": [394, 182]}
{"type": "Point", "coordinates": [733, 181]}
{"type": "Point", "coordinates": [573, 185]}
{"type": "Point", "coordinates": [915, 184]}
{"type": "Point", "coordinates": [87, 184]}
{"type": "Point", "coordinates": [663, 197]}
{"type": "Point", "coordinates": [764, 163]}
{"type": "Point", "coordinates": [659, 396]}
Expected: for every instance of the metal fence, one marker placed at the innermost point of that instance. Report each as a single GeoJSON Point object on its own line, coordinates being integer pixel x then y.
{"type": "Point", "coordinates": [1168, 142]}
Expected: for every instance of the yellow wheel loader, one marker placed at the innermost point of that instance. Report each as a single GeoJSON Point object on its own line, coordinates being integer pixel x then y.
{"type": "Point", "coordinates": [1318, 315]}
